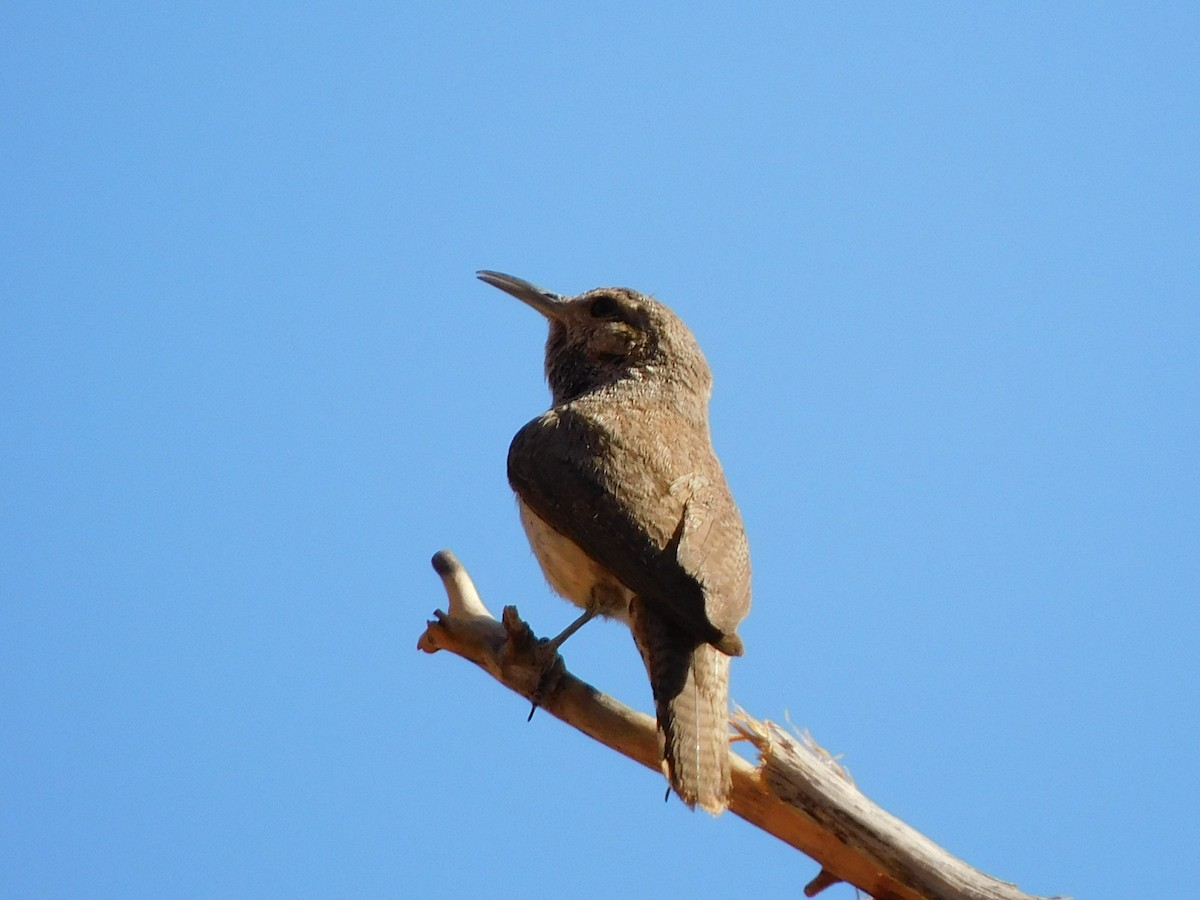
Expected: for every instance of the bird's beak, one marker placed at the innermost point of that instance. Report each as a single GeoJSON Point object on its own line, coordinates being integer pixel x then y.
{"type": "Point", "coordinates": [552, 306]}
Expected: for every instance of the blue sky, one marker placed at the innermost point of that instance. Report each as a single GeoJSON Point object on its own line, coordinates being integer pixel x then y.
{"type": "Point", "coordinates": [943, 261]}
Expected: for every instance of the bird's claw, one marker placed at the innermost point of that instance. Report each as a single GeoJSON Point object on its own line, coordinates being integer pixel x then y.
{"type": "Point", "coordinates": [551, 668]}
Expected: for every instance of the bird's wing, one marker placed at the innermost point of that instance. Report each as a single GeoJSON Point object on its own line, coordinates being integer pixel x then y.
{"type": "Point", "coordinates": [655, 540]}
{"type": "Point", "coordinates": [711, 544]}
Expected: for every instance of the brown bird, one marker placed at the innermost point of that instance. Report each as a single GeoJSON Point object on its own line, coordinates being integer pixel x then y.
{"type": "Point", "coordinates": [627, 510]}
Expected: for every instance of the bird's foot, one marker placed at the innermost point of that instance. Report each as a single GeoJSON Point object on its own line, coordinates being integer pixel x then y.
{"type": "Point", "coordinates": [550, 670]}
{"type": "Point", "coordinates": [549, 663]}
{"type": "Point", "coordinates": [536, 659]}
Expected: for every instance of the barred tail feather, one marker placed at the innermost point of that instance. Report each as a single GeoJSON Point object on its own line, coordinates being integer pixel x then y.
{"type": "Point", "coordinates": [690, 682]}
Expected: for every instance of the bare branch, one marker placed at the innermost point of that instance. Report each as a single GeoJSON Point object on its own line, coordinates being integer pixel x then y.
{"type": "Point", "coordinates": [796, 792]}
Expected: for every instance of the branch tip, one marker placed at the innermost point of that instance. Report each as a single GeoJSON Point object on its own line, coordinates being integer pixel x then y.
{"type": "Point", "coordinates": [464, 599]}
{"type": "Point", "coordinates": [824, 879]}
{"type": "Point", "coordinates": [445, 563]}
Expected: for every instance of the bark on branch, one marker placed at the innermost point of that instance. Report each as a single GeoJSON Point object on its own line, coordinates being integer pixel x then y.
{"type": "Point", "coordinates": [796, 792]}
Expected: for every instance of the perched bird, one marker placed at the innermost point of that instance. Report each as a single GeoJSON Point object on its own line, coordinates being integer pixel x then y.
{"type": "Point", "coordinates": [628, 512]}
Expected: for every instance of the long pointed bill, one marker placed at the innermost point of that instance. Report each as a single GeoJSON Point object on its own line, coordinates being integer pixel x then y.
{"type": "Point", "coordinates": [548, 304]}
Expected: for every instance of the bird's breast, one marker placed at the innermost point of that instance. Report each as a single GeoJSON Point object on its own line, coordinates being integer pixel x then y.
{"type": "Point", "coordinates": [571, 572]}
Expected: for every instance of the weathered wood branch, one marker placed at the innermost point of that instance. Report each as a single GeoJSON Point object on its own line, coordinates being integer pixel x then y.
{"type": "Point", "coordinates": [796, 792]}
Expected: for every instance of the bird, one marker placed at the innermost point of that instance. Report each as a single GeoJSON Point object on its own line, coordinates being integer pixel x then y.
{"type": "Point", "coordinates": [629, 514]}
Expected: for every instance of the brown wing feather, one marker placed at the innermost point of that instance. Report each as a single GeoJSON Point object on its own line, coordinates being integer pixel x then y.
{"type": "Point", "coordinates": [555, 464]}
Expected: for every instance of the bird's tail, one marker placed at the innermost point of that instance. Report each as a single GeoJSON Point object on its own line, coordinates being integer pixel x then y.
{"type": "Point", "coordinates": [690, 681]}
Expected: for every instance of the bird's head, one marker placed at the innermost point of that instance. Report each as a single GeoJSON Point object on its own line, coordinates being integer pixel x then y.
{"type": "Point", "coordinates": [612, 336]}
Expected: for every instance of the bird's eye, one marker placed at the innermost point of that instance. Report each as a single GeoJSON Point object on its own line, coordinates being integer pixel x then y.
{"type": "Point", "coordinates": [604, 308]}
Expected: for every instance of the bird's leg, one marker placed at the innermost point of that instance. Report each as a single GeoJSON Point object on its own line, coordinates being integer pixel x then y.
{"type": "Point", "coordinates": [588, 615]}
{"type": "Point", "coordinates": [549, 650]}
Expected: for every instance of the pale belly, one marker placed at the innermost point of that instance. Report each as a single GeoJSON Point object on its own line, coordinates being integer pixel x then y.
{"type": "Point", "coordinates": [573, 573]}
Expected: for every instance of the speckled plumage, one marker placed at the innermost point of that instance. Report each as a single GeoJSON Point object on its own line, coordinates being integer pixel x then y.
{"type": "Point", "coordinates": [628, 511]}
